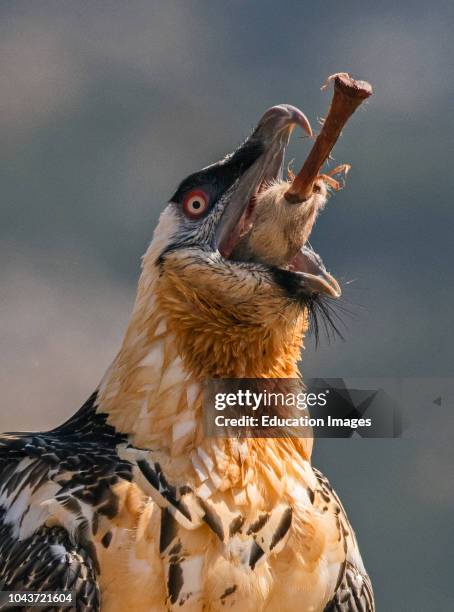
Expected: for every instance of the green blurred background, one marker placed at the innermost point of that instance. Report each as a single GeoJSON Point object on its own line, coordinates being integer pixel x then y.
{"type": "Point", "coordinates": [105, 106]}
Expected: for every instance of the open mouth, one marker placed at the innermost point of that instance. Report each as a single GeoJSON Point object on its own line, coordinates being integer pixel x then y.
{"type": "Point", "coordinates": [274, 129]}
{"type": "Point", "coordinates": [273, 132]}
{"type": "Point", "coordinates": [305, 263]}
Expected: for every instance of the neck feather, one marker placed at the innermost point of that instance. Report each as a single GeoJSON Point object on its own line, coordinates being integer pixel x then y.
{"type": "Point", "coordinates": [153, 389]}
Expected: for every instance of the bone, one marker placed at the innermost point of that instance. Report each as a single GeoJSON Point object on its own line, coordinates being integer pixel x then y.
{"type": "Point", "coordinates": [348, 96]}
{"type": "Point", "coordinates": [278, 229]}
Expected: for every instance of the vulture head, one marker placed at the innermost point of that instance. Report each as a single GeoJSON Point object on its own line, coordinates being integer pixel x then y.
{"type": "Point", "coordinates": [229, 266]}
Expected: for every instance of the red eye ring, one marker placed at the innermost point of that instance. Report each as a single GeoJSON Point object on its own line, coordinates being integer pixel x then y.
{"type": "Point", "coordinates": [195, 203]}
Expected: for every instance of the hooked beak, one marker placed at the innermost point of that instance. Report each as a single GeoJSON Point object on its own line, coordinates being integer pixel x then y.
{"type": "Point", "coordinates": [309, 264]}
{"type": "Point", "coordinates": [272, 135]}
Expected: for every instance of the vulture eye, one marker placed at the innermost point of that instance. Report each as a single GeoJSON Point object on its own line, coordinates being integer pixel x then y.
{"type": "Point", "coordinates": [195, 203]}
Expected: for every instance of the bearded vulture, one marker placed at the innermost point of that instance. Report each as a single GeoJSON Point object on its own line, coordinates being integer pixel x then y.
{"type": "Point", "coordinates": [127, 504]}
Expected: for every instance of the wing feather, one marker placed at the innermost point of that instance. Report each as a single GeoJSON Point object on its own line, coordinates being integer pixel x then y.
{"type": "Point", "coordinates": [48, 561]}
{"type": "Point", "coordinates": [38, 557]}
{"type": "Point", "coordinates": [354, 593]}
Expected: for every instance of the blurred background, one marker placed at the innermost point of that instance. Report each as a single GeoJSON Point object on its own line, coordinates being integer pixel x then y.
{"type": "Point", "coordinates": [106, 106]}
